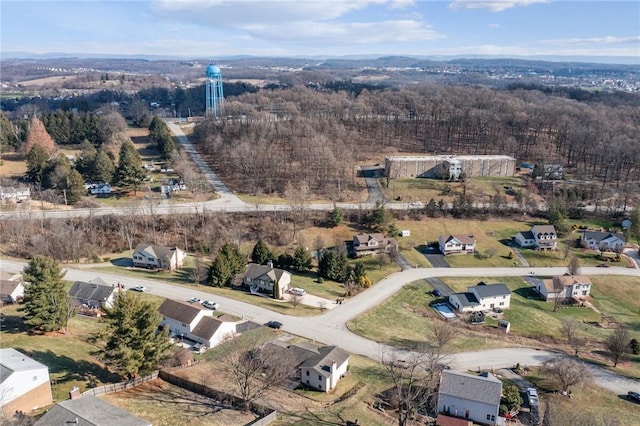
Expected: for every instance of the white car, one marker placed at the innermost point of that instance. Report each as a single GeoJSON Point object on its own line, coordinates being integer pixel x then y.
{"type": "Point", "coordinates": [416, 204]}
{"type": "Point", "coordinates": [532, 393]}
{"type": "Point", "coordinates": [210, 304]}
{"type": "Point", "coordinates": [194, 300]}
{"type": "Point", "coordinates": [298, 291]}
{"type": "Point", "coordinates": [139, 288]}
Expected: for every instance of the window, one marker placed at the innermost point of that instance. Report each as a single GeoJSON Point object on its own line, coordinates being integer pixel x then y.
{"type": "Point", "coordinates": [307, 372]}
{"type": "Point", "coordinates": [307, 381]}
{"type": "Point", "coordinates": [488, 416]}
{"type": "Point", "coordinates": [501, 303]}
{"type": "Point", "coordinates": [150, 259]}
{"type": "Point", "coordinates": [35, 378]}
{"type": "Point", "coordinates": [319, 377]}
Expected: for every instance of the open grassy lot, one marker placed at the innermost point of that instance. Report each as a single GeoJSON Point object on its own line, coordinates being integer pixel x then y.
{"type": "Point", "coordinates": [587, 401]}
{"type": "Point", "coordinates": [405, 319]}
{"type": "Point", "coordinates": [68, 356]}
{"type": "Point", "coordinates": [163, 404]}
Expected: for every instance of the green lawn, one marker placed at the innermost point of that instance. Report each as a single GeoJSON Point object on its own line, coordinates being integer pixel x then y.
{"type": "Point", "coordinates": [68, 356]}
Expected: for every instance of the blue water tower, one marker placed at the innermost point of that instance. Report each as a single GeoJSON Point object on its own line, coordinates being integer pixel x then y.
{"type": "Point", "coordinates": [215, 96]}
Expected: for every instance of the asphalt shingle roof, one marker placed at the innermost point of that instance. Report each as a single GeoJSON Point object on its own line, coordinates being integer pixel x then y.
{"type": "Point", "coordinates": [88, 411]}
{"type": "Point", "coordinates": [490, 290]}
{"type": "Point", "coordinates": [470, 387]}
{"type": "Point", "coordinates": [180, 311]}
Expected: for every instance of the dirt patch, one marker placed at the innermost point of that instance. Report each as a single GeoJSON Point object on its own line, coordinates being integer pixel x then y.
{"type": "Point", "coordinates": [164, 404]}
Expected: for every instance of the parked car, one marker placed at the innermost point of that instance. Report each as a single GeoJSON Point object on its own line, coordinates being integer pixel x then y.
{"type": "Point", "coordinates": [604, 265]}
{"type": "Point", "coordinates": [634, 396]}
{"type": "Point", "coordinates": [298, 291]}
{"type": "Point", "coordinates": [416, 204]}
{"type": "Point", "coordinates": [210, 304]}
{"type": "Point", "coordinates": [194, 300]}
{"type": "Point", "coordinates": [532, 394]}
{"type": "Point", "coordinates": [274, 324]}
{"type": "Point", "coordinates": [437, 293]}
{"type": "Point", "coordinates": [139, 288]}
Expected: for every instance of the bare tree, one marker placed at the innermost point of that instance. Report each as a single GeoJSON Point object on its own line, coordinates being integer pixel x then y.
{"type": "Point", "coordinates": [566, 372]}
{"type": "Point", "coordinates": [295, 300]}
{"type": "Point", "coordinates": [618, 344]}
{"type": "Point", "coordinates": [574, 266]}
{"type": "Point", "coordinates": [199, 268]}
{"type": "Point", "coordinates": [442, 333]}
{"type": "Point", "coordinates": [570, 328]}
{"type": "Point", "coordinates": [558, 293]}
{"type": "Point", "coordinates": [255, 367]}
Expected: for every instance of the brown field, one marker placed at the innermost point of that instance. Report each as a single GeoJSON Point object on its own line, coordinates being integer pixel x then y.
{"type": "Point", "coordinates": [163, 404]}
{"type": "Point", "coordinates": [47, 80]}
{"type": "Point", "coordinates": [12, 165]}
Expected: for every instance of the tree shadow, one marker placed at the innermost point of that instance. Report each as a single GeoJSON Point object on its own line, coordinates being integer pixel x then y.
{"type": "Point", "coordinates": [13, 324]}
{"type": "Point", "coordinates": [71, 369]}
{"type": "Point", "coordinates": [527, 293]}
{"type": "Point", "coordinates": [409, 344]}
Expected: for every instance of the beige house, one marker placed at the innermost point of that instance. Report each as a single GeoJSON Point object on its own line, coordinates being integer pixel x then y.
{"type": "Point", "coordinates": [540, 237]}
{"type": "Point", "coordinates": [453, 244]}
{"type": "Point", "coordinates": [565, 287]}
{"type": "Point", "coordinates": [11, 291]}
{"type": "Point", "coordinates": [263, 278]}
{"type": "Point", "coordinates": [370, 244]}
{"type": "Point", "coordinates": [24, 383]}
{"type": "Point", "coordinates": [158, 257]}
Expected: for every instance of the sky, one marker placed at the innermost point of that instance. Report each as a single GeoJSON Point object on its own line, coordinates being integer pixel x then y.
{"type": "Point", "coordinates": [309, 28]}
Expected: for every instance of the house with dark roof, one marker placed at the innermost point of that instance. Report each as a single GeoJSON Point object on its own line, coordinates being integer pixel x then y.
{"type": "Point", "coordinates": [371, 244]}
{"type": "Point", "coordinates": [470, 397]}
{"type": "Point", "coordinates": [94, 294]}
{"type": "Point", "coordinates": [158, 257]}
{"type": "Point", "coordinates": [11, 291]}
{"type": "Point", "coordinates": [565, 287]}
{"type": "Point", "coordinates": [320, 367]}
{"type": "Point", "coordinates": [540, 237]}
{"type": "Point", "coordinates": [453, 244]}
{"type": "Point", "coordinates": [24, 383]}
{"type": "Point", "coordinates": [604, 241]}
{"type": "Point", "coordinates": [481, 297]}
{"type": "Point", "coordinates": [193, 322]}
{"type": "Point", "coordinates": [88, 411]}
{"type": "Point", "coordinates": [263, 278]}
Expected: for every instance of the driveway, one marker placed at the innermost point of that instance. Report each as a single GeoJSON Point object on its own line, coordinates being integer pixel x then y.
{"type": "Point", "coordinates": [437, 259]}
{"type": "Point", "coordinates": [437, 284]}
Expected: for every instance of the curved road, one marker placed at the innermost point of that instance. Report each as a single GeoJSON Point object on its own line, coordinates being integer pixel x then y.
{"type": "Point", "coordinates": [330, 327]}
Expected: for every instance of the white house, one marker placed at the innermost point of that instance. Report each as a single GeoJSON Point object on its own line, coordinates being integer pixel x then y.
{"type": "Point", "coordinates": [262, 278]}
{"type": "Point", "coordinates": [158, 257]}
{"type": "Point", "coordinates": [100, 189]}
{"type": "Point", "coordinates": [19, 194]}
{"type": "Point", "coordinates": [605, 241]}
{"type": "Point", "coordinates": [11, 291]}
{"type": "Point", "coordinates": [475, 398]}
{"type": "Point", "coordinates": [182, 317]}
{"type": "Point", "coordinates": [191, 321]}
{"type": "Point", "coordinates": [24, 383]}
{"type": "Point", "coordinates": [211, 332]}
{"type": "Point", "coordinates": [320, 367]}
{"type": "Point", "coordinates": [461, 243]}
{"type": "Point", "coordinates": [540, 237]}
{"type": "Point", "coordinates": [481, 297]}
{"type": "Point", "coordinates": [565, 287]}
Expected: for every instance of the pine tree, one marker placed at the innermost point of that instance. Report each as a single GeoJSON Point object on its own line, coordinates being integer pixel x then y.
{"type": "Point", "coordinates": [103, 168]}
{"type": "Point", "coordinates": [130, 172]}
{"type": "Point", "coordinates": [301, 260]}
{"type": "Point", "coordinates": [228, 263]}
{"type": "Point", "coordinates": [75, 187]}
{"type": "Point", "coordinates": [37, 159]}
{"type": "Point", "coordinates": [131, 342]}
{"type": "Point", "coordinates": [276, 291]}
{"type": "Point", "coordinates": [46, 303]}
{"type": "Point", "coordinates": [37, 135]}
{"type": "Point", "coordinates": [337, 216]}
{"type": "Point", "coordinates": [261, 253]}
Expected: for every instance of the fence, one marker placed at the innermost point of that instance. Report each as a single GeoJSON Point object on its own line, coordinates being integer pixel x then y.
{"type": "Point", "coordinates": [117, 387]}
{"type": "Point", "coordinates": [267, 415]}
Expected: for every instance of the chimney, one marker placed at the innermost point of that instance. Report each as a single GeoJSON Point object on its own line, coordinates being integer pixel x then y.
{"type": "Point", "coordinates": [334, 367]}
{"type": "Point", "coordinates": [74, 393]}
{"type": "Point", "coordinates": [270, 264]}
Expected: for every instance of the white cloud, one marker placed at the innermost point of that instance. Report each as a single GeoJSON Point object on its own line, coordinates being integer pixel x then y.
{"type": "Point", "coordinates": [592, 40]}
{"type": "Point", "coordinates": [494, 26]}
{"type": "Point", "coordinates": [532, 50]}
{"type": "Point", "coordinates": [492, 5]}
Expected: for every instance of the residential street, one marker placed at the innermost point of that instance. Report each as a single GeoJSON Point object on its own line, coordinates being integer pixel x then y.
{"type": "Point", "coordinates": [330, 328]}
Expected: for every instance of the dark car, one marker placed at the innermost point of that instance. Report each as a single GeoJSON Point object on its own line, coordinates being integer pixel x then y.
{"type": "Point", "coordinates": [634, 396]}
{"type": "Point", "coordinates": [603, 265]}
{"type": "Point", "coordinates": [437, 293]}
{"type": "Point", "coordinates": [274, 324]}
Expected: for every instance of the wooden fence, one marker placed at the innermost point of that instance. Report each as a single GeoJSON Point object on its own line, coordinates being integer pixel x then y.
{"type": "Point", "coordinates": [117, 387]}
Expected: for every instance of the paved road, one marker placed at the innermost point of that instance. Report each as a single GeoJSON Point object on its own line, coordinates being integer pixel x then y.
{"type": "Point", "coordinates": [330, 328]}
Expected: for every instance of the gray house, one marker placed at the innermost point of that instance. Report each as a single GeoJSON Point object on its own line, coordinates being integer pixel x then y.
{"type": "Point", "coordinates": [88, 411]}
{"type": "Point", "coordinates": [482, 297]}
{"type": "Point", "coordinates": [471, 397]}
{"type": "Point", "coordinates": [94, 294]}
{"type": "Point", "coordinates": [263, 278]}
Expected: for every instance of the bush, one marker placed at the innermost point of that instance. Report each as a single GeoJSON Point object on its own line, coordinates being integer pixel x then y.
{"type": "Point", "coordinates": [511, 255]}
{"type": "Point", "coordinates": [320, 280]}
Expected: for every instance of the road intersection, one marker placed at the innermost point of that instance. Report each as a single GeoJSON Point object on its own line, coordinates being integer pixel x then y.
{"type": "Point", "coordinates": [330, 326]}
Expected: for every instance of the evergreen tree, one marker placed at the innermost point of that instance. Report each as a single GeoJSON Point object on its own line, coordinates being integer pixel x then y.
{"type": "Point", "coordinates": [276, 291]}
{"type": "Point", "coordinates": [261, 253]}
{"type": "Point", "coordinates": [160, 135]}
{"type": "Point", "coordinates": [131, 342]}
{"type": "Point", "coordinates": [634, 217]}
{"type": "Point", "coordinates": [228, 263]}
{"type": "Point", "coordinates": [103, 168]}
{"type": "Point", "coordinates": [86, 160]}
{"type": "Point", "coordinates": [130, 172]}
{"type": "Point", "coordinates": [301, 260]}
{"type": "Point", "coordinates": [37, 159]}
{"type": "Point", "coordinates": [380, 218]}
{"type": "Point", "coordinates": [8, 137]}
{"type": "Point", "coordinates": [75, 187]}
{"type": "Point", "coordinates": [337, 216]}
{"type": "Point", "coordinates": [46, 303]}
{"type": "Point", "coordinates": [334, 266]}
